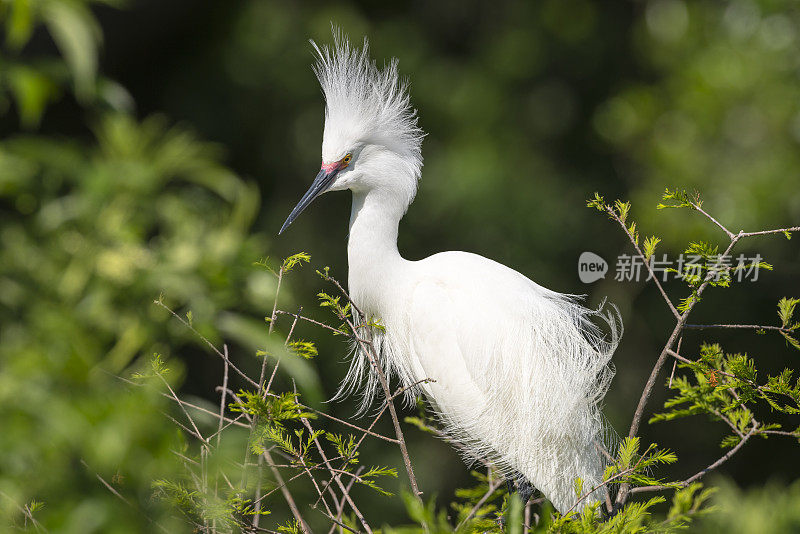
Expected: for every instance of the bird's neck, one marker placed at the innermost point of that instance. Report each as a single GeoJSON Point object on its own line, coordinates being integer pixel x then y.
{"type": "Point", "coordinates": [372, 253]}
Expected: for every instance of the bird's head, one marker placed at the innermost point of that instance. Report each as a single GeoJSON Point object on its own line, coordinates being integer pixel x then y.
{"type": "Point", "coordinates": [371, 139]}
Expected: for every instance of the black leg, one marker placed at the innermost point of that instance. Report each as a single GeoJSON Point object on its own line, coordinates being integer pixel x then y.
{"type": "Point", "coordinates": [525, 490]}
{"type": "Point", "coordinates": [522, 486]}
{"type": "Point", "coordinates": [510, 485]}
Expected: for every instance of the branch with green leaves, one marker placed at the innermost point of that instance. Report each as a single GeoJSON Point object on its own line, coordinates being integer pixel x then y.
{"type": "Point", "coordinates": [725, 385]}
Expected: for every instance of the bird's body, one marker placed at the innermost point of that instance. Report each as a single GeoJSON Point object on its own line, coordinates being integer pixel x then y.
{"type": "Point", "coordinates": [517, 371]}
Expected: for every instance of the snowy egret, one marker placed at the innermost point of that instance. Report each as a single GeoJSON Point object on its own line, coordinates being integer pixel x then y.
{"type": "Point", "coordinates": [519, 370]}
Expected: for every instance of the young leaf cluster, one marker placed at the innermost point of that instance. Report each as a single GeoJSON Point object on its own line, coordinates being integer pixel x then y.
{"type": "Point", "coordinates": [725, 387]}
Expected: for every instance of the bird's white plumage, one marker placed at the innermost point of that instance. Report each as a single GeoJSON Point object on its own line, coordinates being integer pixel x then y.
{"type": "Point", "coordinates": [519, 370]}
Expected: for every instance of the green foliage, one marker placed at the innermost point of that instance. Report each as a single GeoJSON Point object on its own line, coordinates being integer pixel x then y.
{"type": "Point", "coordinates": [182, 498]}
{"type": "Point", "coordinates": [93, 227]}
{"type": "Point", "coordinates": [289, 263]}
{"type": "Point", "coordinates": [294, 260]}
{"type": "Point", "coordinates": [476, 507]}
{"type": "Point", "coordinates": [305, 349]}
{"type": "Point", "coordinates": [786, 308]}
{"type": "Point", "coordinates": [478, 512]}
{"type": "Point", "coordinates": [33, 85]}
{"type": "Point", "coordinates": [290, 527]}
{"type": "Point", "coordinates": [199, 508]}
{"type": "Point", "coordinates": [157, 368]}
{"type": "Point", "coordinates": [622, 209]}
{"type": "Point", "coordinates": [725, 387]}
{"type": "Point", "coordinates": [597, 202]}
{"type": "Point", "coordinates": [275, 408]}
{"type": "Point", "coordinates": [327, 301]}
{"type": "Point", "coordinates": [632, 467]}
{"type": "Point", "coordinates": [649, 246]}
{"type": "Point", "coordinates": [345, 446]}
{"type": "Point", "coordinates": [679, 198]}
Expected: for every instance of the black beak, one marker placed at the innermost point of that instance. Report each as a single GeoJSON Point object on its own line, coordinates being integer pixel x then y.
{"type": "Point", "coordinates": [321, 183]}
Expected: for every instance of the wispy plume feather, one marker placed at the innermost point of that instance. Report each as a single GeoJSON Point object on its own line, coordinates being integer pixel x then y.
{"type": "Point", "coordinates": [365, 103]}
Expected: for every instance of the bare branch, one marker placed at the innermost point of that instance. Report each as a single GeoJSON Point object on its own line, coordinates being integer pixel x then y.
{"type": "Point", "coordinates": [724, 458]}
{"type": "Point", "coordinates": [347, 423]}
{"type": "Point", "coordinates": [312, 321]}
{"type": "Point", "coordinates": [287, 495]}
{"type": "Point", "coordinates": [338, 479]}
{"type": "Point", "coordinates": [207, 342]}
{"type": "Point", "coordinates": [767, 232]}
{"type": "Point", "coordinates": [737, 326]}
{"type": "Point", "coordinates": [696, 206]}
{"type": "Point", "coordinates": [369, 350]}
{"type": "Point", "coordinates": [494, 483]}
{"type": "Point", "coordinates": [653, 276]}
{"type": "Point", "coordinates": [189, 417]}
{"type": "Point", "coordinates": [224, 395]}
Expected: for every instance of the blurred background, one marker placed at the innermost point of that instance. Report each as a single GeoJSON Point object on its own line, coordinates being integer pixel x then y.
{"type": "Point", "coordinates": [154, 148]}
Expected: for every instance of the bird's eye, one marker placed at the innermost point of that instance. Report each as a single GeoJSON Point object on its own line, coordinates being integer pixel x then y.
{"type": "Point", "coordinates": [346, 159]}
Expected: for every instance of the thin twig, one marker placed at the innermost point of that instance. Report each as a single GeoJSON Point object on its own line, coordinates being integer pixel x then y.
{"type": "Point", "coordinates": [262, 389]}
{"type": "Point", "coordinates": [648, 389]}
{"type": "Point", "coordinates": [338, 522]}
{"type": "Point", "coordinates": [766, 232]}
{"type": "Point", "coordinates": [351, 425]}
{"type": "Point", "coordinates": [675, 363]}
{"type": "Point", "coordinates": [368, 349]}
{"type": "Point", "coordinates": [392, 412]}
{"type": "Point", "coordinates": [338, 479]}
{"type": "Point", "coordinates": [117, 494]}
{"type": "Point", "coordinates": [696, 205]}
{"type": "Point", "coordinates": [737, 326]}
{"type": "Point", "coordinates": [26, 511]}
{"type": "Point", "coordinates": [653, 276]}
{"type": "Point", "coordinates": [224, 395]}
{"type": "Point", "coordinates": [312, 321]}
{"type": "Point", "coordinates": [189, 417]}
{"type": "Point", "coordinates": [361, 439]}
{"type": "Point", "coordinates": [494, 483]}
{"type": "Point", "coordinates": [287, 495]}
{"type": "Point", "coordinates": [662, 358]}
{"type": "Point", "coordinates": [207, 342]}
{"type": "Point", "coordinates": [681, 324]}
{"type": "Point", "coordinates": [724, 458]}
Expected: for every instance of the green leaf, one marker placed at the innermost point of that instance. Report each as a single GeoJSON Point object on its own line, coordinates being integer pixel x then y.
{"type": "Point", "coordinates": [294, 260]}
{"type": "Point", "coordinates": [32, 92]}
{"type": "Point", "coordinates": [622, 209]}
{"type": "Point", "coordinates": [649, 246]}
{"type": "Point", "coordinates": [597, 202]}
{"type": "Point", "coordinates": [157, 368]}
{"type": "Point", "coordinates": [305, 349]}
{"type": "Point", "coordinates": [786, 307]}
{"type": "Point", "coordinates": [679, 199]}
{"type": "Point", "coordinates": [19, 23]}
{"type": "Point", "coordinates": [77, 35]}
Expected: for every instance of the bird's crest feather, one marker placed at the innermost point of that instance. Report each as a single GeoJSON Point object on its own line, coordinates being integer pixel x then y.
{"type": "Point", "coordinates": [365, 104]}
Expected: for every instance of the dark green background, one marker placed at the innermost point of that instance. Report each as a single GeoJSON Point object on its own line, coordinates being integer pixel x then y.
{"type": "Point", "coordinates": [529, 107]}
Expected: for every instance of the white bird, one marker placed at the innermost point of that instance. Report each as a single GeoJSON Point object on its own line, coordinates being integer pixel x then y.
{"type": "Point", "coordinates": [519, 370]}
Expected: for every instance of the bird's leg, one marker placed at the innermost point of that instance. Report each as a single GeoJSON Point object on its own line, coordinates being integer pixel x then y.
{"type": "Point", "coordinates": [510, 485]}
{"type": "Point", "coordinates": [525, 490]}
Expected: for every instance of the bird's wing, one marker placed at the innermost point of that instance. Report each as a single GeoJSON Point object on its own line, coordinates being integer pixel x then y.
{"type": "Point", "coordinates": [436, 348]}
{"type": "Point", "coordinates": [478, 306]}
